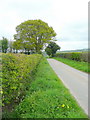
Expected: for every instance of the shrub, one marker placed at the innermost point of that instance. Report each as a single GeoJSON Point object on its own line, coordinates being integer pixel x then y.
{"type": "Point", "coordinates": [16, 75]}
{"type": "Point", "coordinates": [78, 56]}
{"type": "Point", "coordinates": [85, 56]}
{"type": "Point", "coordinates": [75, 56]}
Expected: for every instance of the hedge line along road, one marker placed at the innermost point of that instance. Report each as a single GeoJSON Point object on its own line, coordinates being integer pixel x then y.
{"type": "Point", "coordinates": [75, 80]}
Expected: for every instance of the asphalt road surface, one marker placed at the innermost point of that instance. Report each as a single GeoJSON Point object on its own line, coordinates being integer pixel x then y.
{"type": "Point", "coordinates": [75, 80]}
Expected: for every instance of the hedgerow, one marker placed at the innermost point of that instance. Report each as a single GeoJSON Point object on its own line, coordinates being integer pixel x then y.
{"type": "Point", "coordinates": [78, 56]}
{"type": "Point", "coordinates": [17, 74]}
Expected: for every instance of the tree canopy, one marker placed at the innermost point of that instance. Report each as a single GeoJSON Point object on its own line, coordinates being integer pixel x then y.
{"type": "Point", "coordinates": [33, 35]}
{"type": "Point", "coordinates": [52, 48]}
{"type": "Point", "coordinates": [4, 44]}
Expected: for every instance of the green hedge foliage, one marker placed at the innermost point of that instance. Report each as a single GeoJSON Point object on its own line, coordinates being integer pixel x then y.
{"type": "Point", "coordinates": [17, 74]}
{"type": "Point", "coordinates": [78, 56]}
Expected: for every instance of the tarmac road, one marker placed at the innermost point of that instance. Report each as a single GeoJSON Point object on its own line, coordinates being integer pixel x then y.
{"type": "Point", "coordinates": [75, 80]}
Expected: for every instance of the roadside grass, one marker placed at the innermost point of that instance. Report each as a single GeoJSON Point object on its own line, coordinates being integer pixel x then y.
{"type": "Point", "coordinates": [47, 98]}
{"type": "Point", "coordinates": [83, 66]}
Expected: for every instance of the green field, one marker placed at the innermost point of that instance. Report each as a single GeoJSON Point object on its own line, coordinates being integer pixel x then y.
{"type": "Point", "coordinates": [47, 97]}
{"type": "Point", "coordinates": [83, 66]}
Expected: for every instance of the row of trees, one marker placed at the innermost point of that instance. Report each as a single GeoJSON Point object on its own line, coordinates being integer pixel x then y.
{"type": "Point", "coordinates": [32, 36]}
{"type": "Point", "coordinates": [4, 45]}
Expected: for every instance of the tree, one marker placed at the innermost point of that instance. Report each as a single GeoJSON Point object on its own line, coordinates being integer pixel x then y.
{"type": "Point", "coordinates": [34, 34]}
{"type": "Point", "coordinates": [10, 46]}
{"type": "Point", "coordinates": [4, 44]}
{"type": "Point", "coordinates": [52, 48]}
{"type": "Point", "coordinates": [17, 45]}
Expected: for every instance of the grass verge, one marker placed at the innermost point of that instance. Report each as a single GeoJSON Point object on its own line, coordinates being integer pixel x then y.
{"type": "Point", "coordinates": [47, 98]}
{"type": "Point", "coordinates": [83, 66]}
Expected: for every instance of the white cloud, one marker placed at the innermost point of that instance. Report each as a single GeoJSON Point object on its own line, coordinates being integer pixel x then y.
{"type": "Point", "coordinates": [72, 45]}
{"type": "Point", "coordinates": [68, 18]}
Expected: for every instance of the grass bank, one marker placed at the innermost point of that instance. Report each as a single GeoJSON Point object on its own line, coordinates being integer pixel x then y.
{"type": "Point", "coordinates": [47, 98]}
{"type": "Point", "coordinates": [83, 66]}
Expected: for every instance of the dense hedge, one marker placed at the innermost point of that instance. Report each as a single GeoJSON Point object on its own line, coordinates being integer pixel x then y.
{"type": "Point", "coordinates": [16, 75]}
{"type": "Point", "coordinates": [78, 56]}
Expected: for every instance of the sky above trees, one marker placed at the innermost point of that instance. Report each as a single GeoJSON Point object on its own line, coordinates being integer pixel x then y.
{"type": "Point", "coordinates": [68, 18]}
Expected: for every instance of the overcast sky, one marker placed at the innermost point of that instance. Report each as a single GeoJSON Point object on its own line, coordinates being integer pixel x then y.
{"type": "Point", "coordinates": [69, 19]}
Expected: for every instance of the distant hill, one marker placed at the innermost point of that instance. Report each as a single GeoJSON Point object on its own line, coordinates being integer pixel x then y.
{"type": "Point", "coordinates": [78, 50]}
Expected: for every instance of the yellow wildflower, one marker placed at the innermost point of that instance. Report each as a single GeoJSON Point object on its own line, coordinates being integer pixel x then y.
{"type": "Point", "coordinates": [67, 106]}
{"type": "Point", "coordinates": [1, 92]}
{"type": "Point", "coordinates": [63, 105]}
